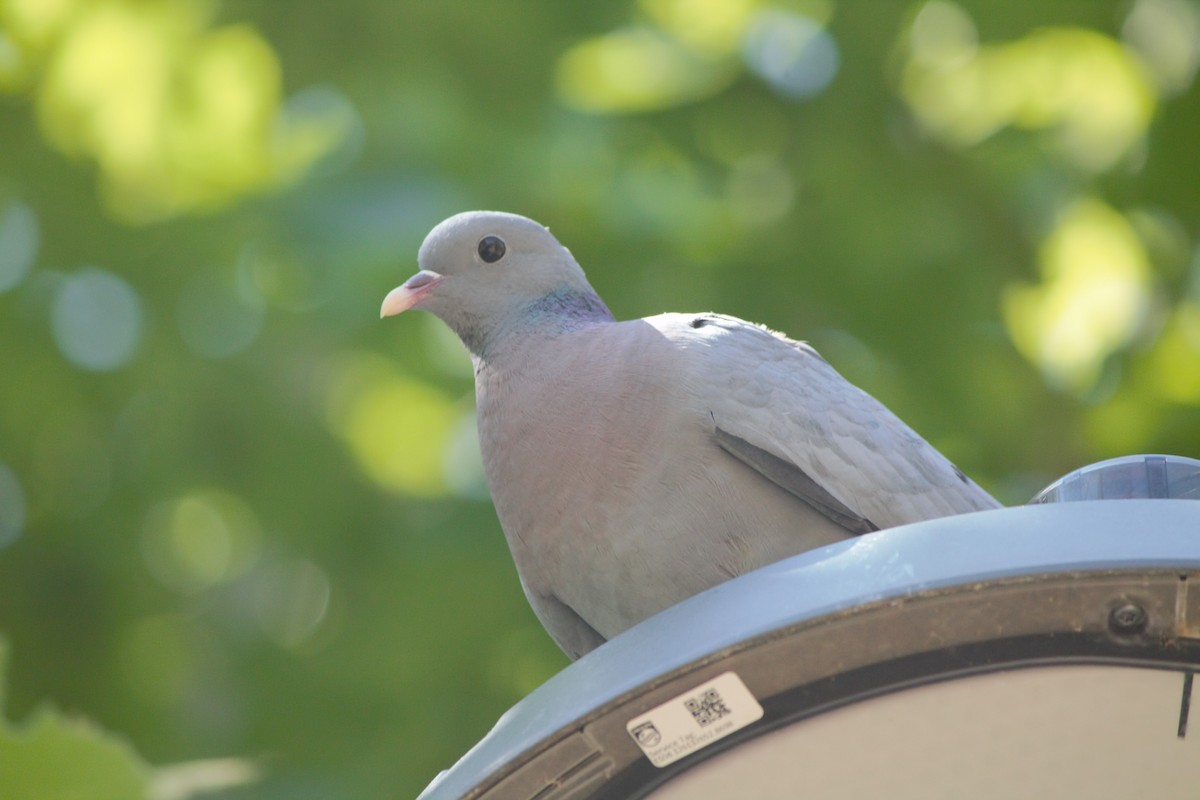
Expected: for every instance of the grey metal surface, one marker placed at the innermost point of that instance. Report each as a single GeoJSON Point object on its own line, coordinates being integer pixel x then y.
{"type": "Point", "coordinates": [1088, 536]}
{"type": "Point", "coordinates": [1128, 477]}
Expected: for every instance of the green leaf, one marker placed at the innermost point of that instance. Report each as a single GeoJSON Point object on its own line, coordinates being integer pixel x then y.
{"type": "Point", "coordinates": [64, 759]}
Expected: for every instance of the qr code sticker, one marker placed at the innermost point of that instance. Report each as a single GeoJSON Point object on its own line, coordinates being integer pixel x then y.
{"type": "Point", "coordinates": [707, 708]}
{"type": "Point", "coordinates": [691, 720]}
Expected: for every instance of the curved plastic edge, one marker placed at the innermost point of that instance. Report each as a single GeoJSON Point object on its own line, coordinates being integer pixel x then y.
{"type": "Point", "coordinates": [1086, 536]}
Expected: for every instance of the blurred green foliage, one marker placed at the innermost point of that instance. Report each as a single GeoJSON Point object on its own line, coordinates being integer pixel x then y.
{"type": "Point", "coordinates": [51, 756]}
{"type": "Point", "coordinates": [241, 518]}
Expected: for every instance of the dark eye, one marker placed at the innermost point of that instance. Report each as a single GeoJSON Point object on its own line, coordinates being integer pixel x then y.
{"type": "Point", "coordinates": [491, 249]}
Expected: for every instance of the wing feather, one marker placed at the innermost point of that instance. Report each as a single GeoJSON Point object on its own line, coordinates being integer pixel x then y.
{"type": "Point", "coordinates": [780, 408]}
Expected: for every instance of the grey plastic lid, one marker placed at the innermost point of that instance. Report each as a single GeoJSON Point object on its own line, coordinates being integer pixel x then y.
{"type": "Point", "coordinates": [1126, 478]}
{"type": "Point", "coordinates": [1091, 583]}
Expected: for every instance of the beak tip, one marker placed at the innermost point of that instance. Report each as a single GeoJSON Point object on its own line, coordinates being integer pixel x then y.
{"type": "Point", "coordinates": [407, 295]}
{"type": "Point", "coordinates": [399, 299]}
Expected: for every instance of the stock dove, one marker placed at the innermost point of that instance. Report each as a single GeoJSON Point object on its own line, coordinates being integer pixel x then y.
{"type": "Point", "coordinates": [634, 464]}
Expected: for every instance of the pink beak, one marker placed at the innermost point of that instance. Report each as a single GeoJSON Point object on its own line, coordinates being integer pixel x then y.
{"type": "Point", "coordinates": [408, 294]}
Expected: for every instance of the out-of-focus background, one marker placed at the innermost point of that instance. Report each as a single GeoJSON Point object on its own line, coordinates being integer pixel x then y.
{"type": "Point", "coordinates": [242, 519]}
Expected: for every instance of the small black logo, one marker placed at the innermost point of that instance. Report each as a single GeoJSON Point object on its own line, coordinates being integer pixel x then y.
{"type": "Point", "coordinates": [646, 734]}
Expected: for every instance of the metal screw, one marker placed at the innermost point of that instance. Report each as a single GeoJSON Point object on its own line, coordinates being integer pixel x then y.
{"type": "Point", "coordinates": [1127, 619]}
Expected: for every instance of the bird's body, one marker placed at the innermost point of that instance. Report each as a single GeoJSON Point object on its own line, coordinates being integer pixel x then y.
{"type": "Point", "coordinates": [636, 463]}
{"type": "Point", "coordinates": [638, 506]}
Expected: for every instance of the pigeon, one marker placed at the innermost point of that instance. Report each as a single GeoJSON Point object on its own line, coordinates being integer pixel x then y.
{"type": "Point", "coordinates": [636, 463]}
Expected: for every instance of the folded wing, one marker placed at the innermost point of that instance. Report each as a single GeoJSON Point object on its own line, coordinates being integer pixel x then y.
{"type": "Point", "coordinates": [782, 410]}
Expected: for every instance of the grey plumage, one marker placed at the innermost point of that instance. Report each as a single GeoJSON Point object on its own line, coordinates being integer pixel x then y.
{"type": "Point", "coordinates": [634, 464]}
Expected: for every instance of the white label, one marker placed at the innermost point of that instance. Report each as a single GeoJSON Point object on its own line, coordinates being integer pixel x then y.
{"type": "Point", "coordinates": [694, 719]}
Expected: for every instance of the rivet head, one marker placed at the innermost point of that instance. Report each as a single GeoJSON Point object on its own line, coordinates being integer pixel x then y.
{"type": "Point", "coordinates": [1127, 619]}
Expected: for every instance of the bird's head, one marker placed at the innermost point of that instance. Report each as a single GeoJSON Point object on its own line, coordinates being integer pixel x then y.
{"type": "Point", "coordinates": [480, 270]}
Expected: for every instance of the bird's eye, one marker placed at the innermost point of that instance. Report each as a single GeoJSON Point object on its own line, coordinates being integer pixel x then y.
{"type": "Point", "coordinates": [491, 249]}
